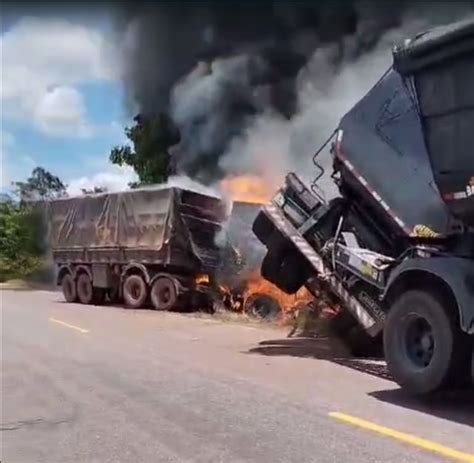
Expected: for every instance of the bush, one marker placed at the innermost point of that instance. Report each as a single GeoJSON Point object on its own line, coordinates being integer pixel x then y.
{"type": "Point", "coordinates": [25, 267]}
{"type": "Point", "coordinates": [21, 248]}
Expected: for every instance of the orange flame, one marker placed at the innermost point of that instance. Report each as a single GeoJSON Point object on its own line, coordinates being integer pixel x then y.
{"type": "Point", "coordinates": [255, 283]}
{"type": "Point", "coordinates": [247, 188]}
{"type": "Point", "coordinates": [202, 279]}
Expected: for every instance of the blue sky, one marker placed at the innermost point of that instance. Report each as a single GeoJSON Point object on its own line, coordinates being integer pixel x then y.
{"type": "Point", "coordinates": [62, 100]}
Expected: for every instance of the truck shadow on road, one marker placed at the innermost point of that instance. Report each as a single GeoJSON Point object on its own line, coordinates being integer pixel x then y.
{"type": "Point", "coordinates": [456, 406]}
{"type": "Point", "coordinates": [323, 348]}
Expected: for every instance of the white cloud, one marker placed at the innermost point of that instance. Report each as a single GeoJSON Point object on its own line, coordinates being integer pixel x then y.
{"type": "Point", "coordinates": [61, 112]}
{"type": "Point", "coordinates": [115, 178]}
{"type": "Point", "coordinates": [41, 57]}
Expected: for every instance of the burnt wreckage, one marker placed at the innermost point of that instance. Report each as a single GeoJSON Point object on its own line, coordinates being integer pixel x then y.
{"type": "Point", "coordinates": [396, 248]}
{"type": "Point", "coordinates": [171, 247]}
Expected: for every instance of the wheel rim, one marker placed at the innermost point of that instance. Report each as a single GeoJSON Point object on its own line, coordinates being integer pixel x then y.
{"type": "Point", "coordinates": [419, 341]}
{"type": "Point", "coordinates": [68, 287]}
{"type": "Point", "coordinates": [85, 289]}
{"type": "Point", "coordinates": [135, 291]}
{"type": "Point", "coordinates": [165, 295]}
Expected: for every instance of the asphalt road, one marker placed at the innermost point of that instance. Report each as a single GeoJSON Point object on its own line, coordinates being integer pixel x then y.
{"type": "Point", "coordinates": [105, 384]}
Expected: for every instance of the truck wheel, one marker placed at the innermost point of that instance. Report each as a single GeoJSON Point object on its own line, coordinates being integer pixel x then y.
{"type": "Point", "coordinates": [424, 348]}
{"type": "Point", "coordinates": [163, 294]}
{"type": "Point", "coordinates": [69, 288]}
{"type": "Point", "coordinates": [262, 306]}
{"type": "Point", "coordinates": [85, 291]}
{"type": "Point", "coordinates": [134, 291]}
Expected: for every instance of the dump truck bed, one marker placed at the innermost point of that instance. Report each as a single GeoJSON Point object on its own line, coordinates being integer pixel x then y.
{"type": "Point", "coordinates": [416, 124]}
{"type": "Point", "coordinates": [167, 226]}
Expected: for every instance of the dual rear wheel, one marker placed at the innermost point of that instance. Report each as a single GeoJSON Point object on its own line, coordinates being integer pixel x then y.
{"type": "Point", "coordinates": [81, 290]}
{"type": "Point", "coordinates": [163, 292]}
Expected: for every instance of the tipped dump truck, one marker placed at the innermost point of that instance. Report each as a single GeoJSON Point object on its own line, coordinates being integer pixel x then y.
{"type": "Point", "coordinates": [149, 244]}
{"type": "Point", "coordinates": [396, 247]}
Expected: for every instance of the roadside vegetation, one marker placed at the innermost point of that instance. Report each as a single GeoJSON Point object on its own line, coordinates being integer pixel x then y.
{"type": "Point", "coordinates": [23, 248]}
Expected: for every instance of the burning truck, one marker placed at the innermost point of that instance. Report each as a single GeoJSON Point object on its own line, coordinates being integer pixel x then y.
{"type": "Point", "coordinates": [240, 285]}
{"type": "Point", "coordinates": [172, 247]}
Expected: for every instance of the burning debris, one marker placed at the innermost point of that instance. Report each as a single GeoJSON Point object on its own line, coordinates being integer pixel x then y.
{"type": "Point", "coordinates": [240, 287]}
{"type": "Point", "coordinates": [257, 297]}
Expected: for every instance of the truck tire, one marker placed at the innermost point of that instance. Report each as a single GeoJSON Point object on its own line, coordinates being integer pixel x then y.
{"type": "Point", "coordinates": [425, 349]}
{"type": "Point", "coordinates": [68, 286]}
{"type": "Point", "coordinates": [85, 290]}
{"type": "Point", "coordinates": [262, 306]}
{"type": "Point", "coordinates": [163, 294]}
{"type": "Point", "coordinates": [134, 291]}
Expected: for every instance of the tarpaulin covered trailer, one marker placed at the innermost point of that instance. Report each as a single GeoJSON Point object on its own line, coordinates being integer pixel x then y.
{"type": "Point", "coordinates": [148, 241]}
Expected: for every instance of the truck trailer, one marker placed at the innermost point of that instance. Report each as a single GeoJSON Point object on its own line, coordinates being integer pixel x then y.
{"type": "Point", "coordinates": [395, 247]}
{"type": "Point", "coordinates": [148, 244]}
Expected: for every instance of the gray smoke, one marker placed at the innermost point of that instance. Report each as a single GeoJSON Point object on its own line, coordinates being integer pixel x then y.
{"type": "Point", "coordinates": [248, 84]}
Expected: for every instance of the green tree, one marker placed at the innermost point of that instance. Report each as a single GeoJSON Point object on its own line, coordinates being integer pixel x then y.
{"type": "Point", "coordinates": [151, 139]}
{"type": "Point", "coordinates": [20, 248]}
{"type": "Point", "coordinates": [41, 185]}
{"type": "Point", "coordinates": [22, 233]}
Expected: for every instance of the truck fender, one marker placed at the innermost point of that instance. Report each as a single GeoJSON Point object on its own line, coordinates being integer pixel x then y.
{"type": "Point", "coordinates": [79, 269]}
{"type": "Point", "coordinates": [134, 266]}
{"type": "Point", "coordinates": [62, 271]}
{"type": "Point", "coordinates": [455, 273]}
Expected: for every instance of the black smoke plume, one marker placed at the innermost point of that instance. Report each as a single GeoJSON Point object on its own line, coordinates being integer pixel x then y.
{"type": "Point", "coordinates": [216, 66]}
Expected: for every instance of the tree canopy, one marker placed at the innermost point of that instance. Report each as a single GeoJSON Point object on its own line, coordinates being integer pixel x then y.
{"type": "Point", "coordinates": [41, 185]}
{"type": "Point", "coordinates": [148, 154]}
{"type": "Point", "coordinates": [22, 236]}
{"type": "Point", "coordinates": [21, 245]}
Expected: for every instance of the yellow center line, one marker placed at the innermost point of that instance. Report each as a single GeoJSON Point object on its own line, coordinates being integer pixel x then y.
{"type": "Point", "coordinates": [406, 438]}
{"type": "Point", "coordinates": [77, 328]}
